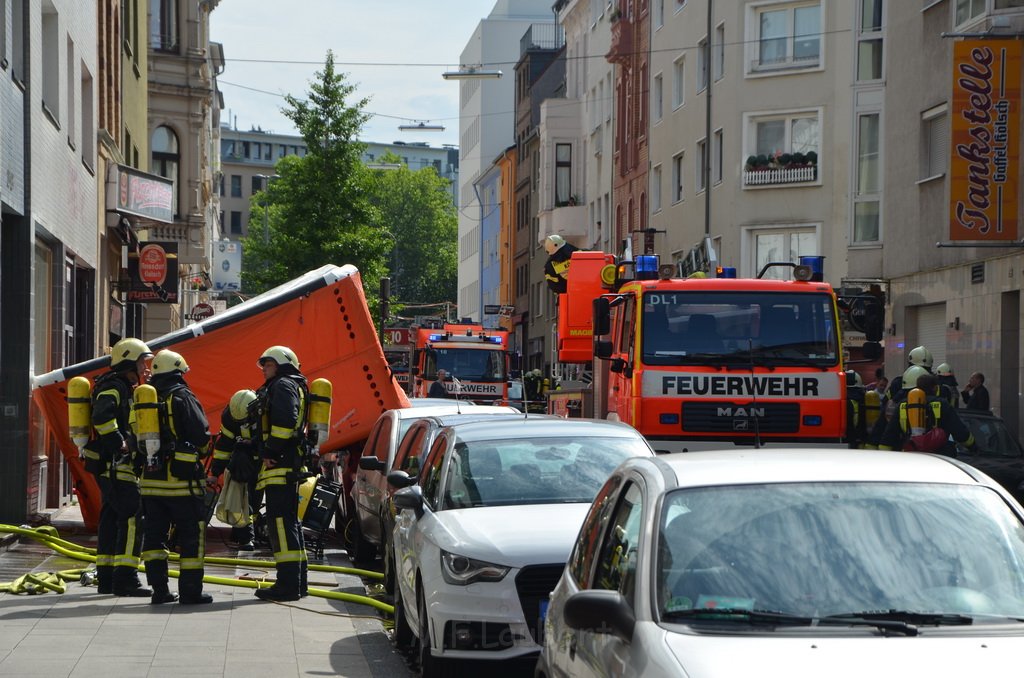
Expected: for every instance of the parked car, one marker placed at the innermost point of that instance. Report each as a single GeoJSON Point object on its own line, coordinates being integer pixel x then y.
{"type": "Point", "coordinates": [365, 489]}
{"type": "Point", "coordinates": [481, 540]}
{"type": "Point", "coordinates": [998, 453]}
{"type": "Point", "coordinates": [791, 563]}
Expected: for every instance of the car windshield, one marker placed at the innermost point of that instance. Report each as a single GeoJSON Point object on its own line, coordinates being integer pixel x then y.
{"type": "Point", "coordinates": [739, 328]}
{"type": "Point", "coordinates": [467, 364]}
{"type": "Point", "coordinates": [534, 470]}
{"type": "Point", "coordinates": [849, 549]}
{"type": "Point", "coordinates": [992, 437]}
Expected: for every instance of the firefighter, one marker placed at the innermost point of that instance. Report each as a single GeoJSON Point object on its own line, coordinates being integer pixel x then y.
{"type": "Point", "coordinates": [938, 413]}
{"type": "Point", "coordinates": [556, 268]}
{"type": "Point", "coordinates": [282, 404]}
{"type": "Point", "coordinates": [173, 484]}
{"type": "Point", "coordinates": [235, 451]}
{"type": "Point", "coordinates": [856, 413]}
{"type": "Point", "coordinates": [892, 401]}
{"type": "Point", "coordinates": [948, 383]}
{"type": "Point", "coordinates": [919, 356]}
{"type": "Point", "coordinates": [109, 457]}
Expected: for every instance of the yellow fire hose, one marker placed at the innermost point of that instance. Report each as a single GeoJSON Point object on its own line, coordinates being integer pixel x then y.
{"type": "Point", "coordinates": [41, 582]}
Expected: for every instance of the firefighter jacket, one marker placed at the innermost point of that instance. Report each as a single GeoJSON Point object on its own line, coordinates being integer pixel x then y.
{"type": "Point", "coordinates": [184, 438]}
{"type": "Point", "coordinates": [233, 443]}
{"type": "Point", "coordinates": [938, 413]}
{"type": "Point", "coordinates": [556, 268]}
{"type": "Point", "coordinates": [282, 404]}
{"type": "Point", "coordinates": [111, 451]}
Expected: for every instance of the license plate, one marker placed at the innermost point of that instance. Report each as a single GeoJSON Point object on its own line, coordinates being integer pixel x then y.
{"type": "Point", "coordinates": [543, 610]}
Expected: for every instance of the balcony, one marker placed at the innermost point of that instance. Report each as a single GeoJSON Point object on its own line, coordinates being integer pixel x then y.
{"type": "Point", "coordinates": [622, 48]}
{"type": "Point", "coordinates": [786, 175]}
{"type": "Point", "coordinates": [569, 221]}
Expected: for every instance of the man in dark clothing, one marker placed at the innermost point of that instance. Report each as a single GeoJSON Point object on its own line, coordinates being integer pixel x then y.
{"type": "Point", "coordinates": [173, 487]}
{"type": "Point", "coordinates": [282, 405]}
{"type": "Point", "coordinates": [109, 457]}
{"type": "Point", "coordinates": [235, 451]}
{"type": "Point", "coordinates": [938, 414]}
{"type": "Point", "coordinates": [556, 269]}
{"type": "Point", "coordinates": [437, 389]}
{"type": "Point", "coordinates": [976, 395]}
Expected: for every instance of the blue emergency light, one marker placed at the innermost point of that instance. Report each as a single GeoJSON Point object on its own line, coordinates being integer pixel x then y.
{"type": "Point", "coordinates": [435, 337]}
{"type": "Point", "coordinates": [647, 267]}
{"type": "Point", "coordinates": [817, 266]}
{"type": "Point", "coordinates": [494, 340]}
{"type": "Point", "coordinates": [726, 272]}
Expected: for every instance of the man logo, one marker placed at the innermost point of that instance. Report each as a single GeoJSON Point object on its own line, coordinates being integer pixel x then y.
{"type": "Point", "coordinates": [741, 412]}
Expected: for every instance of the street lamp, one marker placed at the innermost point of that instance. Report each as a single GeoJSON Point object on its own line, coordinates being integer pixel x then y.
{"type": "Point", "coordinates": [421, 127]}
{"type": "Point", "coordinates": [267, 178]}
{"type": "Point", "coordinates": [471, 72]}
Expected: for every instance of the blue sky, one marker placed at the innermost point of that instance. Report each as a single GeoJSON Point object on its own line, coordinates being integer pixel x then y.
{"type": "Point", "coordinates": [403, 35]}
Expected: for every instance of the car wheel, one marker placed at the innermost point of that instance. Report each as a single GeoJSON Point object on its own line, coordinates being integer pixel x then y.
{"type": "Point", "coordinates": [404, 636]}
{"type": "Point", "coordinates": [430, 666]}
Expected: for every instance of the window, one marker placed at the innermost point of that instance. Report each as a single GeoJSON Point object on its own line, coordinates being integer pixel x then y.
{"type": "Point", "coordinates": [69, 83]}
{"type": "Point", "coordinates": [88, 122]}
{"type": "Point", "coordinates": [236, 186]}
{"type": "Point", "coordinates": [869, 41]}
{"type": "Point", "coordinates": [702, 65]}
{"type": "Point", "coordinates": [3, 34]}
{"type": "Point", "coordinates": [677, 177]}
{"type": "Point", "coordinates": [702, 159]}
{"type": "Point", "coordinates": [659, 13]}
{"type": "Point", "coordinates": [563, 174]}
{"type": "Point", "coordinates": [868, 179]}
{"type": "Point", "coordinates": [257, 183]}
{"type": "Point", "coordinates": [18, 44]}
{"type": "Point", "coordinates": [967, 10]}
{"type": "Point", "coordinates": [716, 158]}
{"type": "Point", "coordinates": [678, 82]}
{"type": "Point", "coordinates": [657, 92]}
{"type": "Point", "coordinates": [774, 135]}
{"type": "Point", "coordinates": [618, 560]}
{"type": "Point", "coordinates": [786, 243]}
{"type": "Point", "coordinates": [51, 65]}
{"type": "Point", "coordinates": [719, 63]}
{"type": "Point", "coordinates": [787, 36]}
{"type": "Point", "coordinates": [656, 189]}
{"type": "Point", "coordinates": [236, 222]}
{"type": "Point", "coordinates": [163, 25]}
{"type": "Point", "coordinates": [934, 142]}
{"type": "Point", "coordinates": [164, 149]}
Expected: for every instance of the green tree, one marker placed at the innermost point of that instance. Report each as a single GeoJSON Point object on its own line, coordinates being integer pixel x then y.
{"type": "Point", "coordinates": [416, 209]}
{"type": "Point", "coordinates": [317, 209]}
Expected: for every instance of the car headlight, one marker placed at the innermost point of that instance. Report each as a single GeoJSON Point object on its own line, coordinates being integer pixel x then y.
{"type": "Point", "coordinates": [461, 570]}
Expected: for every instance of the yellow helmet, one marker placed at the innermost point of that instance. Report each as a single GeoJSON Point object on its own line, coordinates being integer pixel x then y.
{"type": "Point", "coordinates": [239, 404]}
{"type": "Point", "coordinates": [166, 362]}
{"type": "Point", "coordinates": [127, 352]}
{"type": "Point", "coordinates": [282, 355]}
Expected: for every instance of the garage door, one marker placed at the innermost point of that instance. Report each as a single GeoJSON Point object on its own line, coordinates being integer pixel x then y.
{"type": "Point", "coordinates": [931, 331]}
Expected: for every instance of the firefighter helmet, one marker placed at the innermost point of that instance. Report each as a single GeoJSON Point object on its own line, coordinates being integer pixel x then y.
{"type": "Point", "coordinates": [911, 375]}
{"type": "Point", "coordinates": [944, 370]}
{"type": "Point", "coordinates": [282, 355]}
{"type": "Point", "coordinates": [854, 378]}
{"type": "Point", "coordinates": [921, 356]}
{"type": "Point", "coordinates": [553, 243]}
{"type": "Point", "coordinates": [166, 362]}
{"type": "Point", "coordinates": [126, 353]}
{"type": "Point", "coordinates": [239, 404]}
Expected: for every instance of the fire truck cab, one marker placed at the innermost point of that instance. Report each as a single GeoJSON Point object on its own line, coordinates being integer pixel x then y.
{"type": "Point", "coordinates": [475, 359]}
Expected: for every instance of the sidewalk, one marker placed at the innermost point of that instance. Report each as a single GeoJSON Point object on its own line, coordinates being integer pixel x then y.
{"type": "Point", "coordinates": [82, 633]}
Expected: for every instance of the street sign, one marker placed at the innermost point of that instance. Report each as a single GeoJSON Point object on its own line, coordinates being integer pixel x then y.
{"type": "Point", "coordinates": [201, 311]}
{"type": "Point", "coordinates": [398, 336]}
{"type": "Point", "coordinates": [492, 309]}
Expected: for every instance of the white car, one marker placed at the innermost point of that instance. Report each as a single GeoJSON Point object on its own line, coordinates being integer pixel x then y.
{"type": "Point", "coordinates": [795, 563]}
{"type": "Point", "coordinates": [481, 541]}
{"type": "Point", "coordinates": [369, 487]}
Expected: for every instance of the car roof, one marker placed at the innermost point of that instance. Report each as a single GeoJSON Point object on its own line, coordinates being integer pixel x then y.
{"type": "Point", "coordinates": [450, 418]}
{"type": "Point", "coordinates": [541, 425]}
{"type": "Point", "coordinates": [756, 466]}
{"type": "Point", "coordinates": [451, 407]}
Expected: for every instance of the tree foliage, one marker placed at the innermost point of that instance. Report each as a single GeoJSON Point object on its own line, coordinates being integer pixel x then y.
{"type": "Point", "coordinates": [416, 208]}
{"type": "Point", "coordinates": [317, 209]}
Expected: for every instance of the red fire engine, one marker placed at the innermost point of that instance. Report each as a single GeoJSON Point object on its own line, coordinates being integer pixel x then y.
{"type": "Point", "coordinates": [475, 358]}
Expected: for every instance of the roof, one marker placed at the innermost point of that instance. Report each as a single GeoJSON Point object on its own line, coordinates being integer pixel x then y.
{"type": "Point", "coordinates": [538, 426]}
{"type": "Point", "coordinates": [451, 407]}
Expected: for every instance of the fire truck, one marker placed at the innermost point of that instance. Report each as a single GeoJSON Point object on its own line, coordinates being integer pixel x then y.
{"type": "Point", "coordinates": [713, 359]}
{"type": "Point", "coordinates": [398, 352]}
{"type": "Point", "coordinates": [475, 358]}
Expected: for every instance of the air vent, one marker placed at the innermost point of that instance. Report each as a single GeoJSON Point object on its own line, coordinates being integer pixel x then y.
{"type": "Point", "coordinates": [978, 273]}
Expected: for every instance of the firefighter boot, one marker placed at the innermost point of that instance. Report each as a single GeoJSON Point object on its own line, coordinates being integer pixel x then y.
{"type": "Point", "coordinates": [126, 583]}
{"type": "Point", "coordinates": [303, 580]}
{"type": "Point", "coordinates": [156, 576]}
{"type": "Point", "coordinates": [277, 594]}
{"type": "Point", "coordinates": [190, 585]}
{"type": "Point", "coordinates": [104, 579]}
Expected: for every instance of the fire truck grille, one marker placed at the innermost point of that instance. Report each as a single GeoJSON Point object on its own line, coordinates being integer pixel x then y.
{"type": "Point", "coordinates": [722, 417]}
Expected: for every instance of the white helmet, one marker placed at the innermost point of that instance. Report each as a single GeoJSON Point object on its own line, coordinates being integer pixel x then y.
{"type": "Point", "coordinates": [553, 243]}
{"type": "Point", "coordinates": [855, 375]}
{"type": "Point", "coordinates": [282, 355]}
{"type": "Point", "coordinates": [944, 370]}
{"type": "Point", "coordinates": [239, 404]}
{"type": "Point", "coordinates": [921, 356]}
{"type": "Point", "coordinates": [912, 374]}
{"type": "Point", "coordinates": [166, 362]}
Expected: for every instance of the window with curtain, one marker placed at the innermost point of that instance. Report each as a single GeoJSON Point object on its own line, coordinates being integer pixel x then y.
{"type": "Point", "coordinates": [165, 159]}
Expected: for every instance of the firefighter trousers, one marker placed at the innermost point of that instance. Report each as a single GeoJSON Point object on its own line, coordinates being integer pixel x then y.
{"type": "Point", "coordinates": [118, 535]}
{"type": "Point", "coordinates": [187, 515]}
{"type": "Point", "coordinates": [285, 534]}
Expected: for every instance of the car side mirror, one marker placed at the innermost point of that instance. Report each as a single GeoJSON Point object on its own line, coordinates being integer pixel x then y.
{"type": "Point", "coordinates": [409, 498]}
{"type": "Point", "coordinates": [602, 349]}
{"type": "Point", "coordinates": [618, 365]}
{"type": "Point", "coordinates": [400, 479]}
{"type": "Point", "coordinates": [600, 611]}
{"type": "Point", "coordinates": [371, 464]}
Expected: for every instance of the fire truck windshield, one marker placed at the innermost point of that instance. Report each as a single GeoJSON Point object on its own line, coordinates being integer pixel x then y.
{"type": "Point", "coordinates": [467, 364]}
{"type": "Point", "coordinates": [739, 328]}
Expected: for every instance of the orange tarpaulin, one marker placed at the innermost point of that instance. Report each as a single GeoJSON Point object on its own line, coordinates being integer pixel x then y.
{"type": "Point", "coordinates": [322, 316]}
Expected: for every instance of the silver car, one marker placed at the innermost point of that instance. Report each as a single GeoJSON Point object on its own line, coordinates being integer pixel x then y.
{"type": "Point", "coordinates": [792, 563]}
